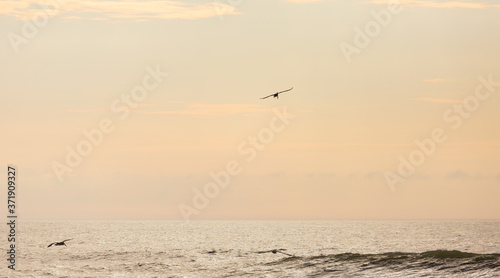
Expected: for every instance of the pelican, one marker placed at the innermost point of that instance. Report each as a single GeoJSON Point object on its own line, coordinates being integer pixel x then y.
{"type": "Point", "coordinates": [276, 94]}
{"type": "Point", "coordinates": [274, 251]}
{"type": "Point", "coordinates": [59, 243]}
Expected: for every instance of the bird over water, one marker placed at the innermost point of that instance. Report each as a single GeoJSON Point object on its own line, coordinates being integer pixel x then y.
{"type": "Point", "coordinates": [274, 251]}
{"type": "Point", "coordinates": [59, 243]}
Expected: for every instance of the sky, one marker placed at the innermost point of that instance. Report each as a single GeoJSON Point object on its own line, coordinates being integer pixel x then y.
{"type": "Point", "coordinates": [152, 110]}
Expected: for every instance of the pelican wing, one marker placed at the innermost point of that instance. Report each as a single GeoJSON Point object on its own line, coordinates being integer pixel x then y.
{"type": "Point", "coordinates": [267, 96]}
{"type": "Point", "coordinates": [267, 251]}
{"type": "Point", "coordinates": [285, 91]}
{"type": "Point", "coordinates": [284, 253]}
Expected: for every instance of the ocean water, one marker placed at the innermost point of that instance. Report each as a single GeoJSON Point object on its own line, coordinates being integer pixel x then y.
{"type": "Point", "coordinates": [238, 249]}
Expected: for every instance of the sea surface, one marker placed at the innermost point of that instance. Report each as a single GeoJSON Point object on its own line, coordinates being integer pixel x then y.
{"type": "Point", "coordinates": [238, 249]}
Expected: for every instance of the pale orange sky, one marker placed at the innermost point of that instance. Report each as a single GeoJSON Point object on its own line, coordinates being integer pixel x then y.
{"type": "Point", "coordinates": [355, 115]}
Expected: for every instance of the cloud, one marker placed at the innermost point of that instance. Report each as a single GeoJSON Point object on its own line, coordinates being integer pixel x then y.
{"type": "Point", "coordinates": [442, 4]}
{"type": "Point", "coordinates": [209, 109]}
{"type": "Point", "coordinates": [437, 100]}
{"type": "Point", "coordinates": [438, 80]}
{"type": "Point", "coordinates": [303, 1]}
{"type": "Point", "coordinates": [276, 175]}
{"type": "Point", "coordinates": [115, 9]}
{"type": "Point", "coordinates": [91, 110]}
{"type": "Point", "coordinates": [193, 109]}
{"type": "Point", "coordinates": [372, 175]}
{"type": "Point", "coordinates": [457, 175]}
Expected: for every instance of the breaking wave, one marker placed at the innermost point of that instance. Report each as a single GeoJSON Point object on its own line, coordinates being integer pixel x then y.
{"type": "Point", "coordinates": [438, 261]}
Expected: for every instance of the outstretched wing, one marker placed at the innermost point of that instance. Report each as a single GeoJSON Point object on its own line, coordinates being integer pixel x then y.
{"type": "Point", "coordinates": [66, 240]}
{"type": "Point", "coordinates": [285, 91]}
{"type": "Point", "coordinates": [284, 253]}
{"type": "Point", "coordinates": [267, 96]}
{"type": "Point", "coordinates": [51, 244]}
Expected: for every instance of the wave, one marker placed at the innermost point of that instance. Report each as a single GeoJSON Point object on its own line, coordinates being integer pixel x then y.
{"type": "Point", "coordinates": [444, 261]}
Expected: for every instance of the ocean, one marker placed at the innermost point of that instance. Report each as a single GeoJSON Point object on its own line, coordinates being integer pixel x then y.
{"type": "Point", "coordinates": [244, 249]}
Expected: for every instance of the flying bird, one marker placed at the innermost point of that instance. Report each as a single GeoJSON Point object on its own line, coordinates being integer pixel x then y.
{"type": "Point", "coordinates": [274, 251]}
{"type": "Point", "coordinates": [276, 94]}
{"type": "Point", "coordinates": [59, 243]}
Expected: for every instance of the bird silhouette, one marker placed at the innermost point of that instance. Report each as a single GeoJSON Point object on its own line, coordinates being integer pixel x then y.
{"type": "Point", "coordinates": [274, 251]}
{"type": "Point", "coordinates": [276, 95]}
{"type": "Point", "coordinates": [59, 243]}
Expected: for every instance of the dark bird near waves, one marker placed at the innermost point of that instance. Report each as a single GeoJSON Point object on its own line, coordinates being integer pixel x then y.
{"type": "Point", "coordinates": [274, 251]}
{"type": "Point", "coordinates": [59, 243]}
